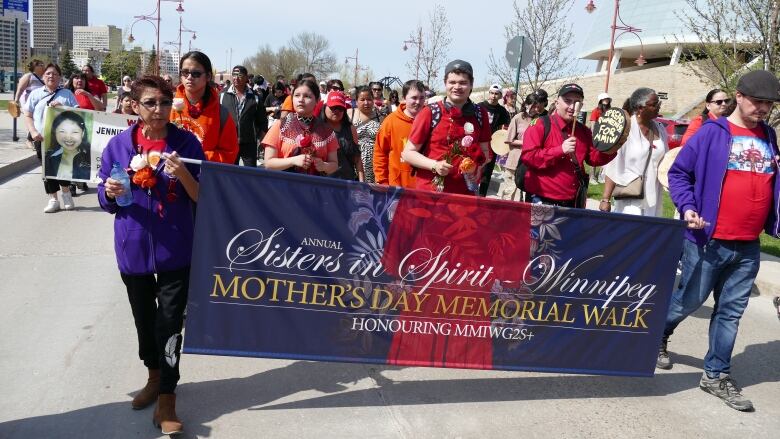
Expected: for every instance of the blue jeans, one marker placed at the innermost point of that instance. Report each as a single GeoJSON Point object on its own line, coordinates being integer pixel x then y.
{"type": "Point", "coordinates": [727, 268]}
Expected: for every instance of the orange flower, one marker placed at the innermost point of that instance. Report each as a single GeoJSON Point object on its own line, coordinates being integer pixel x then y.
{"type": "Point", "coordinates": [145, 178]}
{"type": "Point", "coordinates": [467, 166]}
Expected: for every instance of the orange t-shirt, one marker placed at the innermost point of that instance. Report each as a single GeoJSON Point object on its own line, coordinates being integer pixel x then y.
{"type": "Point", "coordinates": [220, 143]}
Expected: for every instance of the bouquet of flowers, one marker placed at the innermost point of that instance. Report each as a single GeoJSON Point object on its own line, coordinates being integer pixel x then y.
{"type": "Point", "coordinates": [305, 145]}
{"type": "Point", "coordinates": [464, 153]}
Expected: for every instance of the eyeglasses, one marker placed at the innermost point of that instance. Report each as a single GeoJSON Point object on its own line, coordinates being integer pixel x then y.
{"type": "Point", "coordinates": [721, 101]}
{"type": "Point", "coordinates": [152, 104]}
{"type": "Point", "coordinates": [194, 73]}
{"type": "Point", "coordinates": [656, 104]}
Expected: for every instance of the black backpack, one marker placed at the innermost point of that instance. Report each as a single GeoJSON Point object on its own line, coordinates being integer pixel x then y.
{"type": "Point", "coordinates": [522, 169]}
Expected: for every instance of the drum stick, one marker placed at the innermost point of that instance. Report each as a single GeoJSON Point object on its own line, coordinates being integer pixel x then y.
{"type": "Point", "coordinates": [577, 108]}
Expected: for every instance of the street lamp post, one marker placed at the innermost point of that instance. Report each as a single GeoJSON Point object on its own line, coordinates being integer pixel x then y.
{"type": "Point", "coordinates": [640, 61]}
{"type": "Point", "coordinates": [155, 22]}
{"type": "Point", "coordinates": [357, 66]}
{"type": "Point", "coordinates": [184, 29]}
{"type": "Point", "coordinates": [415, 42]}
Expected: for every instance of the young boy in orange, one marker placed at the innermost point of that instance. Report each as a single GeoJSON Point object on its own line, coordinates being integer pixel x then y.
{"type": "Point", "coordinates": [392, 136]}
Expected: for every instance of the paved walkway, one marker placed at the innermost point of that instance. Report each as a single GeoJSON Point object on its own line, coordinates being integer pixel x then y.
{"type": "Point", "coordinates": [16, 157]}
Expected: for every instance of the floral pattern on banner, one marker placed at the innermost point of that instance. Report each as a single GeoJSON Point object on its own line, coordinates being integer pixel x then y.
{"type": "Point", "coordinates": [369, 222]}
{"type": "Point", "coordinates": [544, 236]}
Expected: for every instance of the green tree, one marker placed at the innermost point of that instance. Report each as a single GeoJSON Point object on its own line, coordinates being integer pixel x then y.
{"type": "Point", "coordinates": [151, 66]}
{"type": "Point", "coordinates": [67, 65]}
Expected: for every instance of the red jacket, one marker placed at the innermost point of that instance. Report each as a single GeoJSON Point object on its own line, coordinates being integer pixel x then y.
{"type": "Point", "coordinates": [551, 174]}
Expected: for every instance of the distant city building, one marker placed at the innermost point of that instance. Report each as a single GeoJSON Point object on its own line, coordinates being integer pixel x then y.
{"type": "Point", "coordinates": [97, 38]}
{"type": "Point", "coordinates": [169, 63]}
{"type": "Point", "coordinates": [53, 22]}
{"type": "Point", "coordinates": [9, 19]}
{"type": "Point", "coordinates": [95, 58]}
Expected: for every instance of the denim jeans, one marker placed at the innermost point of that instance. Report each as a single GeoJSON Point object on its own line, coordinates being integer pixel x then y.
{"type": "Point", "coordinates": [728, 269]}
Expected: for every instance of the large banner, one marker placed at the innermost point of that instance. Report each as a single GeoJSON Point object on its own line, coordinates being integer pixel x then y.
{"type": "Point", "coordinates": [300, 267]}
{"type": "Point", "coordinates": [74, 139]}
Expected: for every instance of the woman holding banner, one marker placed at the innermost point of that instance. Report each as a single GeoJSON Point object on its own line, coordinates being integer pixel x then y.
{"type": "Point", "coordinates": [51, 94]}
{"type": "Point", "coordinates": [153, 236]}
{"type": "Point", "coordinates": [299, 141]}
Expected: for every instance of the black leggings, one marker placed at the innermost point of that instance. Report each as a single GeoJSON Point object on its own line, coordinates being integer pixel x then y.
{"type": "Point", "coordinates": [50, 185]}
{"type": "Point", "coordinates": [158, 310]}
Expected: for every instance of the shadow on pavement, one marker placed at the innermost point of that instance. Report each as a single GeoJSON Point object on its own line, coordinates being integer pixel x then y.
{"type": "Point", "coordinates": [200, 403]}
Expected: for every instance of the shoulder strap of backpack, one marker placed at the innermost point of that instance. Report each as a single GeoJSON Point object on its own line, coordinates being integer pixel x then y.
{"type": "Point", "coordinates": [436, 111]}
{"type": "Point", "coordinates": [547, 126]}
{"type": "Point", "coordinates": [478, 113]}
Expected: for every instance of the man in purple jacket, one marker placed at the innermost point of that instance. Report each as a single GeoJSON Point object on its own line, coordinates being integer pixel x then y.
{"type": "Point", "coordinates": [724, 182]}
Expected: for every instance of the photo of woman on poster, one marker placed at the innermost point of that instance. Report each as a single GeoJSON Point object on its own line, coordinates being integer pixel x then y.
{"type": "Point", "coordinates": [68, 152]}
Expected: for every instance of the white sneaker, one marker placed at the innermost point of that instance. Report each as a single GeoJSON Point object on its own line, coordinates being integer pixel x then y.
{"type": "Point", "coordinates": [52, 206]}
{"type": "Point", "coordinates": [67, 201]}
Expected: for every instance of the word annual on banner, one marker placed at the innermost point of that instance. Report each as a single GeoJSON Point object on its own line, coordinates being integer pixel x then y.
{"type": "Point", "coordinates": [300, 267]}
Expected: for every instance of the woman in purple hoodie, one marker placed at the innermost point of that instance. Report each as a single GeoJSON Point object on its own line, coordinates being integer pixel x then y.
{"type": "Point", "coordinates": [153, 236]}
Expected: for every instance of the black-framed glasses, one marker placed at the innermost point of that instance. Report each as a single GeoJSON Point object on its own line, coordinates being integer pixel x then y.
{"type": "Point", "coordinates": [152, 104]}
{"type": "Point", "coordinates": [194, 73]}
{"type": "Point", "coordinates": [721, 101]}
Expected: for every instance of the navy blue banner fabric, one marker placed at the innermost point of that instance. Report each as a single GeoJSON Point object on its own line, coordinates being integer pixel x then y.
{"type": "Point", "coordinates": [301, 267]}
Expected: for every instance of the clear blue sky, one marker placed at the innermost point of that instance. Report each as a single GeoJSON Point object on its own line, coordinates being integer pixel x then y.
{"type": "Point", "coordinates": [376, 29]}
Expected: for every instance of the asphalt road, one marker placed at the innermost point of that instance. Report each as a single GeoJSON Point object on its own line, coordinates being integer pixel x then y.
{"type": "Point", "coordinates": [68, 366]}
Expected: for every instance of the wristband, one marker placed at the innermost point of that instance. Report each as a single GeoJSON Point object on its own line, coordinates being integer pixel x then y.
{"type": "Point", "coordinates": [606, 201]}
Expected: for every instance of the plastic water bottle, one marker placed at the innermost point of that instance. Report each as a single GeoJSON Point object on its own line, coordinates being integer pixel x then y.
{"type": "Point", "coordinates": [471, 184]}
{"type": "Point", "coordinates": [119, 174]}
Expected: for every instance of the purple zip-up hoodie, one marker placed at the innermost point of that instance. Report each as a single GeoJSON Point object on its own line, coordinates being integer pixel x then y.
{"type": "Point", "coordinates": [697, 175]}
{"type": "Point", "coordinates": [144, 241]}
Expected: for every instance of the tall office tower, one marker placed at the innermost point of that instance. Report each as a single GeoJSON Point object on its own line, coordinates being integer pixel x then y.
{"type": "Point", "coordinates": [53, 22]}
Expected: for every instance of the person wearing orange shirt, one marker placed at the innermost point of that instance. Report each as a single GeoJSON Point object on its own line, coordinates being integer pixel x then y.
{"type": "Point", "coordinates": [389, 169]}
{"type": "Point", "coordinates": [196, 108]}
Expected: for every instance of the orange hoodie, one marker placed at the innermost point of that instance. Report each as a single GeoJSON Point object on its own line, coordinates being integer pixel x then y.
{"type": "Point", "coordinates": [390, 141]}
{"type": "Point", "coordinates": [220, 144]}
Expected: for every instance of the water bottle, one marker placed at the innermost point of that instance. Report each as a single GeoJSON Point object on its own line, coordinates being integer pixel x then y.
{"type": "Point", "coordinates": [119, 174]}
{"type": "Point", "coordinates": [471, 184]}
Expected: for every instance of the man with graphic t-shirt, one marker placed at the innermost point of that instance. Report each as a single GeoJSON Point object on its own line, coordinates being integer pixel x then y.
{"type": "Point", "coordinates": [499, 119]}
{"type": "Point", "coordinates": [725, 183]}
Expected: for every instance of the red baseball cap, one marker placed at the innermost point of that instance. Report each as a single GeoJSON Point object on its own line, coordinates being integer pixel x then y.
{"type": "Point", "coordinates": [336, 98]}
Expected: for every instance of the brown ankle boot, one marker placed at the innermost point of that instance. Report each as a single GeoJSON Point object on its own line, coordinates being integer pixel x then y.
{"type": "Point", "coordinates": [148, 394]}
{"type": "Point", "coordinates": [165, 414]}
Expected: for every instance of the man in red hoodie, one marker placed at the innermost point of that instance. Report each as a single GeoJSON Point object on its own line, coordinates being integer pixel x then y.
{"type": "Point", "coordinates": [389, 169]}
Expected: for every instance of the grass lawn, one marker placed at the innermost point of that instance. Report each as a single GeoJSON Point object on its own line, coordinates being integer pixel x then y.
{"type": "Point", "coordinates": [3, 104]}
{"type": "Point", "coordinates": [768, 244]}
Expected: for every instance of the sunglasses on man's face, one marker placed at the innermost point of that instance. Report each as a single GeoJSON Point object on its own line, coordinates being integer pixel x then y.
{"type": "Point", "coordinates": [194, 73]}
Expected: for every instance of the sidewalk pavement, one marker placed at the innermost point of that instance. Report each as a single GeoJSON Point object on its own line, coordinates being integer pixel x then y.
{"type": "Point", "coordinates": [16, 157]}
